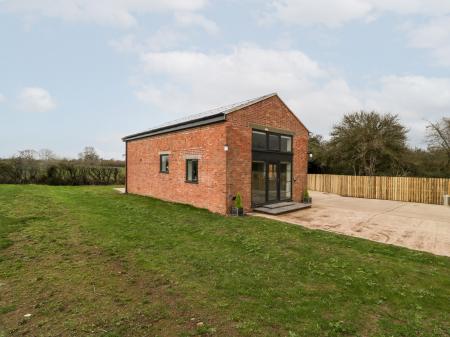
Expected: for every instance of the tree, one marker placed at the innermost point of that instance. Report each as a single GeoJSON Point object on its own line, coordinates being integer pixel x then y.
{"type": "Point", "coordinates": [427, 163]}
{"type": "Point", "coordinates": [438, 136]}
{"type": "Point", "coordinates": [369, 143]}
{"type": "Point", "coordinates": [46, 155]}
{"type": "Point", "coordinates": [28, 154]}
{"type": "Point", "coordinates": [26, 167]}
{"type": "Point", "coordinates": [318, 148]}
{"type": "Point", "coordinates": [89, 155]}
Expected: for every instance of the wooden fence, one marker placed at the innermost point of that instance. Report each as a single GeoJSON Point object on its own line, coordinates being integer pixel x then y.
{"type": "Point", "coordinates": [423, 190]}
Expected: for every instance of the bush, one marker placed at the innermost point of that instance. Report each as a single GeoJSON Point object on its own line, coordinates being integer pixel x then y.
{"type": "Point", "coordinates": [238, 201]}
{"type": "Point", "coordinates": [306, 194]}
{"type": "Point", "coordinates": [20, 171]}
{"type": "Point", "coordinates": [69, 174]}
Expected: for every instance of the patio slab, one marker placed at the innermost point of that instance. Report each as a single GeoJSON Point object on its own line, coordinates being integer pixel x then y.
{"type": "Point", "coordinates": [417, 226]}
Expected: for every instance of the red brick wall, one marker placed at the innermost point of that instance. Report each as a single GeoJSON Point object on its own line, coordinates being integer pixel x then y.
{"type": "Point", "coordinates": [271, 113]}
{"type": "Point", "coordinates": [221, 174]}
{"type": "Point", "coordinates": [206, 142]}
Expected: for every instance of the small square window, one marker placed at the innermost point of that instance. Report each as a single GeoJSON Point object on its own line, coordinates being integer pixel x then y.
{"type": "Point", "coordinates": [192, 170]}
{"type": "Point", "coordinates": [164, 163]}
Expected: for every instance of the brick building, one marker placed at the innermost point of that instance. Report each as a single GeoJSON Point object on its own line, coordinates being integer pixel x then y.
{"type": "Point", "coordinates": [257, 148]}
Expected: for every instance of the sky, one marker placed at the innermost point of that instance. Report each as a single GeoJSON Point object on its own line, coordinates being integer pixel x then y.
{"type": "Point", "coordinates": [76, 73]}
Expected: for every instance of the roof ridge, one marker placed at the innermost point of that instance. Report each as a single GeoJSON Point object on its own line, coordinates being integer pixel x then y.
{"type": "Point", "coordinates": [209, 112]}
{"type": "Point", "coordinates": [225, 109]}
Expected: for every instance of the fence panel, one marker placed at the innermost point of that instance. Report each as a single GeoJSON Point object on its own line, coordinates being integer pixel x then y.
{"type": "Point", "coordinates": [412, 189]}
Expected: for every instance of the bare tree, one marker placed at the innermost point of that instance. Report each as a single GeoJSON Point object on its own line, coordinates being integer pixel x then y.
{"type": "Point", "coordinates": [438, 136]}
{"type": "Point", "coordinates": [47, 155]}
{"type": "Point", "coordinates": [28, 154]}
{"type": "Point", "coordinates": [89, 155]}
{"type": "Point", "coordinates": [26, 167]}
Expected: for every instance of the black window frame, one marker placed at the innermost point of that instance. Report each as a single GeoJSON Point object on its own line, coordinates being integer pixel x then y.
{"type": "Point", "coordinates": [161, 163]}
{"type": "Point", "coordinates": [265, 140]}
{"type": "Point", "coordinates": [292, 143]}
{"type": "Point", "coordinates": [187, 177]}
{"type": "Point", "coordinates": [268, 134]}
{"type": "Point", "coordinates": [273, 134]}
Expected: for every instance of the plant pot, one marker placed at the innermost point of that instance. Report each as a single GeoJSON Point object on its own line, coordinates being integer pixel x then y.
{"type": "Point", "coordinates": [307, 200]}
{"type": "Point", "coordinates": [237, 211]}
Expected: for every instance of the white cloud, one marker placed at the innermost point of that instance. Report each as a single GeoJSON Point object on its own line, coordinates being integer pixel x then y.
{"type": "Point", "coordinates": [193, 19]}
{"type": "Point", "coordinates": [328, 12]}
{"type": "Point", "coordinates": [194, 81]}
{"type": "Point", "coordinates": [198, 81]}
{"type": "Point", "coordinates": [435, 36]}
{"type": "Point", "coordinates": [333, 13]}
{"type": "Point", "coordinates": [34, 99]}
{"type": "Point", "coordinates": [2, 98]}
{"type": "Point", "coordinates": [248, 62]}
{"type": "Point", "coordinates": [163, 39]}
{"type": "Point", "coordinates": [416, 99]}
{"type": "Point", "coordinates": [127, 44]}
{"type": "Point", "coordinates": [221, 78]}
{"type": "Point", "coordinates": [414, 96]}
{"type": "Point", "coordinates": [115, 12]}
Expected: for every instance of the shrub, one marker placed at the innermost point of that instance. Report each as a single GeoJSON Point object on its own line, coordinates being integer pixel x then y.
{"type": "Point", "coordinates": [64, 172]}
{"type": "Point", "coordinates": [306, 194]}
{"type": "Point", "coordinates": [238, 201]}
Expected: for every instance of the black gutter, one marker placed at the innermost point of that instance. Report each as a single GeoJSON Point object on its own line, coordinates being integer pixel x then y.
{"type": "Point", "coordinates": [176, 127]}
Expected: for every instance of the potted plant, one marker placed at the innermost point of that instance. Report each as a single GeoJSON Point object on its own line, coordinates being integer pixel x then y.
{"type": "Point", "coordinates": [238, 209]}
{"type": "Point", "coordinates": [306, 198]}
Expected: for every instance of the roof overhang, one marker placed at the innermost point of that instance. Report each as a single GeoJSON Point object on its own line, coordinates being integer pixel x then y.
{"type": "Point", "coordinates": [177, 127]}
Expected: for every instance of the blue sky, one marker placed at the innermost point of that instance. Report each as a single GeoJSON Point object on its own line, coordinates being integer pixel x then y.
{"type": "Point", "coordinates": [79, 72]}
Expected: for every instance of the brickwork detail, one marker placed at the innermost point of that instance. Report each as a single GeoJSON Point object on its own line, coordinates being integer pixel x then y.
{"type": "Point", "coordinates": [221, 173]}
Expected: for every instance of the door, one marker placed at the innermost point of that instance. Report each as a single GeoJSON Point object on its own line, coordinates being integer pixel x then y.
{"type": "Point", "coordinates": [258, 182]}
{"type": "Point", "coordinates": [273, 183]}
{"type": "Point", "coordinates": [285, 180]}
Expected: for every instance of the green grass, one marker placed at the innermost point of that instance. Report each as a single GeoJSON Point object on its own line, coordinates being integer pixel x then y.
{"type": "Point", "coordinates": [87, 261]}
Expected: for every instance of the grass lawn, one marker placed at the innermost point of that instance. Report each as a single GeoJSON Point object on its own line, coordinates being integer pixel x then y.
{"type": "Point", "coordinates": [86, 261]}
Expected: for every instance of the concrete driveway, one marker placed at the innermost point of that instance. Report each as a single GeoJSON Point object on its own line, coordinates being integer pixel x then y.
{"type": "Point", "coordinates": [416, 226]}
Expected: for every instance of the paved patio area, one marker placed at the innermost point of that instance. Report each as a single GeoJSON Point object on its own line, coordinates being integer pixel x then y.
{"type": "Point", "coordinates": [416, 226]}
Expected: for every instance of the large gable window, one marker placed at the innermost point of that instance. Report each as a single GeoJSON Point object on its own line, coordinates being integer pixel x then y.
{"type": "Point", "coordinates": [271, 142]}
{"type": "Point", "coordinates": [192, 170]}
{"type": "Point", "coordinates": [164, 163]}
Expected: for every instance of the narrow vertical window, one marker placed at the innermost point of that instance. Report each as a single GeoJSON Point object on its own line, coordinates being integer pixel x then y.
{"type": "Point", "coordinates": [286, 144]}
{"type": "Point", "coordinates": [191, 170]}
{"type": "Point", "coordinates": [164, 163]}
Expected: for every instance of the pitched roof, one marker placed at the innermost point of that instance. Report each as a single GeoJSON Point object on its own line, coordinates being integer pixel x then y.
{"type": "Point", "coordinates": [203, 118]}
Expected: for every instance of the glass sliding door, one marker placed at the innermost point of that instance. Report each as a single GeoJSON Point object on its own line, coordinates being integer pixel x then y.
{"type": "Point", "coordinates": [272, 182]}
{"type": "Point", "coordinates": [258, 182]}
{"type": "Point", "coordinates": [285, 180]}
